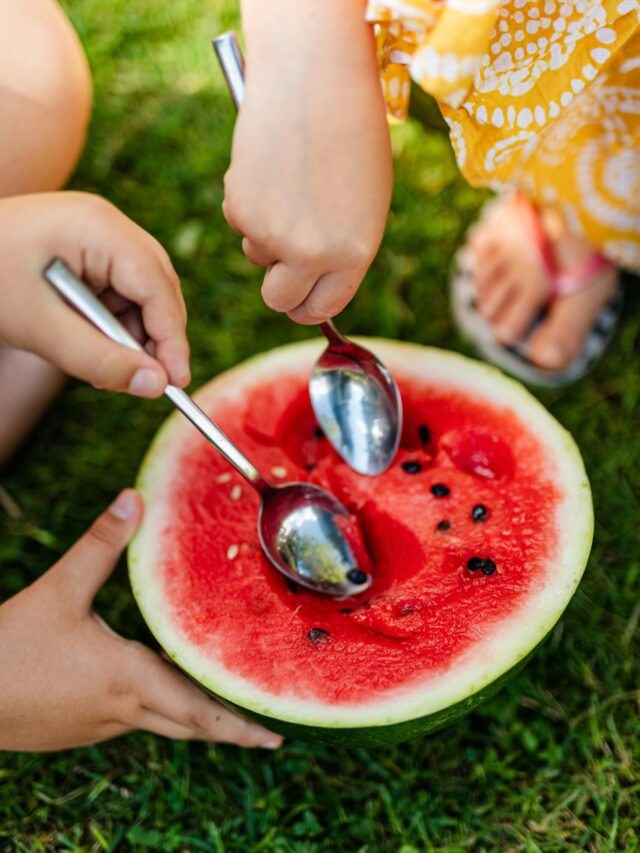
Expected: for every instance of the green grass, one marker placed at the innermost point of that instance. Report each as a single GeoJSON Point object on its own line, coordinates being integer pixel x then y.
{"type": "Point", "coordinates": [548, 765]}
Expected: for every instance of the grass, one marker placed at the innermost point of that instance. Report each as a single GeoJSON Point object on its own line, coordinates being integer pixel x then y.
{"type": "Point", "coordinates": [551, 763]}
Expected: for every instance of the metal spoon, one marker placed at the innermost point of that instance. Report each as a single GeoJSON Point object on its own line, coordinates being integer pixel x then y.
{"type": "Point", "coordinates": [354, 396]}
{"type": "Point", "coordinates": [298, 523]}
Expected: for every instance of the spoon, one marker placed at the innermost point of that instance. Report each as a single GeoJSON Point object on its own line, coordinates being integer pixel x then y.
{"type": "Point", "coordinates": [354, 396]}
{"type": "Point", "coordinates": [298, 523]}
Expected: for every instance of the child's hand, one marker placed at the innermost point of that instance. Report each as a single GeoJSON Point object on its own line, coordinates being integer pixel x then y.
{"type": "Point", "coordinates": [125, 265]}
{"type": "Point", "coordinates": [67, 680]}
{"type": "Point", "coordinates": [310, 179]}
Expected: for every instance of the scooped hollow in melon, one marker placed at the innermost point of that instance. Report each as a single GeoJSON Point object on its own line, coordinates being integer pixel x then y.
{"type": "Point", "coordinates": [478, 534]}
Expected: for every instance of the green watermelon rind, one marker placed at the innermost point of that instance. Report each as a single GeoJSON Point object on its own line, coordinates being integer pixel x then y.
{"type": "Point", "coordinates": [400, 721]}
{"type": "Point", "coordinates": [383, 735]}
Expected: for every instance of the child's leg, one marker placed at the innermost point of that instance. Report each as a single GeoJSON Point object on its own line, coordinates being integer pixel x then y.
{"type": "Point", "coordinates": [45, 103]}
{"type": "Point", "coordinates": [45, 97]}
{"type": "Point", "coordinates": [28, 386]}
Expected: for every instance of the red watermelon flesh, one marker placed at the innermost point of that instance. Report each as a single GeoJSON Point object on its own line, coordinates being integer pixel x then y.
{"type": "Point", "coordinates": [477, 535]}
{"type": "Point", "coordinates": [425, 606]}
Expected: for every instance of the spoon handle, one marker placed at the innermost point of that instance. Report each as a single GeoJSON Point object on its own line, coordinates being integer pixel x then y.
{"type": "Point", "coordinates": [231, 62]}
{"type": "Point", "coordinates": [332, 334]}
{"type": "Point", "coordinates": [83, 300]}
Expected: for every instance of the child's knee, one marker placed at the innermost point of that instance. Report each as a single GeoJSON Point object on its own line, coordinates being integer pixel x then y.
{"type": "Point", "coordinates": [45, 97]}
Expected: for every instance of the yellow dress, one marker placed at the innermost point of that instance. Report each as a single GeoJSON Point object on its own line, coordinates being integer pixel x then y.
{"type": "Point", "coordinates": [539, 95]}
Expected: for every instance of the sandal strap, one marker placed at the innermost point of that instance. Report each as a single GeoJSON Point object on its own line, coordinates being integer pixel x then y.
{"type": "Point", "coordinates": [580, 275]}
{"type": "Point", "coordinates": [564, 281]}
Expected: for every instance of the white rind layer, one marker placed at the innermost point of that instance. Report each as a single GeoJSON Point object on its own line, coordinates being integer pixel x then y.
{"type": "Point", "coordinates": [510, 639]}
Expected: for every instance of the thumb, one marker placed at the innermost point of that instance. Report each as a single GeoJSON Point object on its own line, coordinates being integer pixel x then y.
{"type": "Point", "coordinates": [88, 563]}
{"type": "Point", "coordinates": [86, 353]}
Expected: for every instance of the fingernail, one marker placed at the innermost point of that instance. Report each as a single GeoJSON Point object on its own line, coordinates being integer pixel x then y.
{"type": "Point", "coordinates": [183, 377]}
{"type": "Point", "coordinates": [552, 356]}
{"type": "Point", "coordinates": [146, 383]}
{"type": "Point", "coordinates": [125, 506]}
{"type": "Point", "coordinates": [272, 743]}
{"type": "Point", "coordinates": [504, 335]}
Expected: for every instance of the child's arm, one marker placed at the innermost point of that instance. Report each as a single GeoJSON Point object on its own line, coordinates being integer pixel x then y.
{"type": "Point", "coordinates": [67, 680]}
{"type": "Point", "coordinates": [310, 179]}
{"type": "Point", "coordinates": [123, 263]}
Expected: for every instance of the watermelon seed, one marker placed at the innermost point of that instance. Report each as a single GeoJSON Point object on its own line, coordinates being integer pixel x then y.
{"type": "Point", "coordinates": [293, 586]}
{"type": "Point", "coordinates": [487, 566]}
{"type": "Point", "coordinates": [309, 466]}
{"type": "Point", "coordinates": [279, 471]}
{"type": "Point", "coordinates": [224, 478]}
{"type": "Point", "coordinates": [318, 433]}
{"type": "Point", "coordinates": [444, 525]}
{"type": "Point", "coordinates": [479, 513]}
{"type": "Point", "coordinates": [424, 433]}
{"type": "Point", "coordinates": [232, 552]}
{"type": "Point", "coordinates": [357, 576]}
{"type": "Point", "coordinates": [236, 492]}
{"type": "Point", "coordinates": [412, 467]}
{"type": "Point", "coordinates": [318, 635]}
{"type": "Point", "coordinates": [439, 490]}
{"type": "Point", "coordinates": [345, 611]}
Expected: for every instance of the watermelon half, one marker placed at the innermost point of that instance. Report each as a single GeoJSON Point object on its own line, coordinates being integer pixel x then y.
{"type": "Point", "coordinates": [479, 534]}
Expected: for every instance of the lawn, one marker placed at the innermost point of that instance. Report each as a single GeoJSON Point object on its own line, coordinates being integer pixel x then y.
{"type": "Point", "coordinates": [551, 763]}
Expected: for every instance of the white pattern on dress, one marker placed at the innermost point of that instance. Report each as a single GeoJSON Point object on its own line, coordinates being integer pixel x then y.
{"type": "Point", "coordinates": [519, 77]}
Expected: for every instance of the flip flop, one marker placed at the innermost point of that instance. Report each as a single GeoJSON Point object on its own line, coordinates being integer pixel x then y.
{"type": "Point", "coordinates": [515, 359]}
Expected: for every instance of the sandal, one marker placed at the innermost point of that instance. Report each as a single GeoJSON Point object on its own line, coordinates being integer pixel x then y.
{"type": "Point", "coordinates": [565, 282]}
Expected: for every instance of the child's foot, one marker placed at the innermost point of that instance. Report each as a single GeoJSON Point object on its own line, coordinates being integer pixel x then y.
{"type": "Point", "coordinates": [514, 285]}
{"type": "Point", "coordinates": [28, 386]}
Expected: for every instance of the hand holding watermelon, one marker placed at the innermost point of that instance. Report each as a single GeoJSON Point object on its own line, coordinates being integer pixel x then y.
{"type": "Point", "coordinates": [67, 680]}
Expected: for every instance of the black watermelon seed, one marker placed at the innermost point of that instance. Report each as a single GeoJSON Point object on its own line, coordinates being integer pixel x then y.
{"type": "Point", "coordinates": [293, 586]}
{"type": "Point", "coordinates": [318, 433]}
{"type": "Point", "coordinates": [444, 525]}
{"type": "Point", "coordinates": [412, 467]}
{"type": "Point", "coordinates": [346, 610]}
{"type": "Point", "coordinates": [440, 490]}
{"type": "Point", "coordinates": [357, 576]}
{"type": "Point", "coordinates": [309, 466]}
{"type": "Point", "coordinates": [424, 433]}
{"type": "Point", "coordinates": [479, 513]}
{"type": "Point", "coordinates": [486, 566]}
{"type": "Point", "coordinates": [317, 635]}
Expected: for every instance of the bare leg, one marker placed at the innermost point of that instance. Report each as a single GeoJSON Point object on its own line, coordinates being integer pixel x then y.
{"type": "Point", "coordinates": [45, 104]}
{"type": "Point", "coordinates": [28, 385]}
{"type": "Point", "coordinates": [513, 285]}
{"type": "Point", "coordinates": [45, 97]}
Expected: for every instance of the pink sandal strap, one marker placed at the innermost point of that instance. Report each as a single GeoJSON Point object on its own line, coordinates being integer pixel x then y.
{"type": "Point", "coordinates": [565, 281]}
{"type": "Point", "coordinates": [581, 275]}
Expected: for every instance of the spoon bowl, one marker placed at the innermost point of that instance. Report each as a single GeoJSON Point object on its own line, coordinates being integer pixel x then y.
{"type": "Point", "coordinates": [299, 522]}
{"type": "Point", "coordinates": [357, 403]}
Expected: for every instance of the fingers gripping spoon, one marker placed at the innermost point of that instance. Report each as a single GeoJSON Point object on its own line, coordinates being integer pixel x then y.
{"type": "Point", "coordinates": [354, 396]}
{"type": "Point", "coordinates": [298, 523]}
